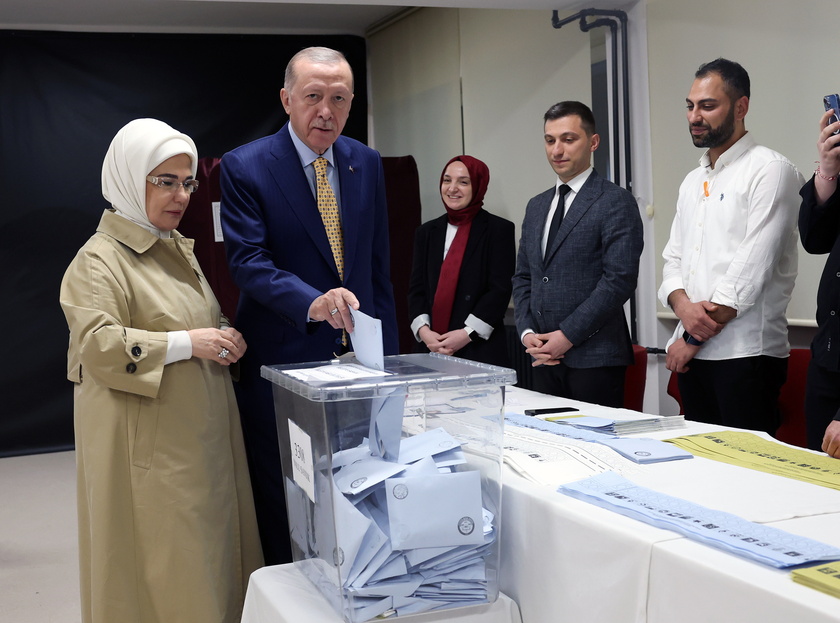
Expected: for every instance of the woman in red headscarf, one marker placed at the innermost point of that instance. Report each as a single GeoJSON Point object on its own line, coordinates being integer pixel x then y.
{"type": "Point", "coordinates": [461, 277]}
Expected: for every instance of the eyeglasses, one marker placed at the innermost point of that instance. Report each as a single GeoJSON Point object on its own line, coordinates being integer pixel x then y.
{"type": "Point", "coordinates": [167, 183]}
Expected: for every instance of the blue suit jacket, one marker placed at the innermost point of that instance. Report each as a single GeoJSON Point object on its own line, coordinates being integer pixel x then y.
{"type": "Point", "coordinates": [589, 272]}
{"type": "Point", "coordinates": [279, 254]}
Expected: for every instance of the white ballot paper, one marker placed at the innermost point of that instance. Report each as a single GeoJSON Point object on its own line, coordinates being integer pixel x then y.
{"type": "Point", "coordinates": [367, 340]}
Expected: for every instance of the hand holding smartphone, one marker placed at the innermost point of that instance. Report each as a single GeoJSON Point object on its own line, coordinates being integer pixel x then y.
{"type": "Point", "coordinates": [832, 102]}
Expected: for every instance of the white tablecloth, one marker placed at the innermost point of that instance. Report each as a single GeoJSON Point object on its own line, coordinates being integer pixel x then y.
{"type": "Point", "coordinates": [281, 594]}
{"type": "Point", "coordinates": [564, 560]}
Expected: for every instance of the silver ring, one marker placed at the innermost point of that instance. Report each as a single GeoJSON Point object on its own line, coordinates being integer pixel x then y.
{"type": "Point", "coordinates": [223, 353]}
{"type": "Point", "coordinates": [333, 311]}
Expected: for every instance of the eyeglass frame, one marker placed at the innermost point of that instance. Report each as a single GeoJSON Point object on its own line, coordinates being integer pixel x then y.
{"type": "Point", "coordinates": [190, 186]}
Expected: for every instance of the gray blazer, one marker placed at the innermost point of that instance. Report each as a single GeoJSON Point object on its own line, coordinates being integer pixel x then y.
{"type": "Point", "coordinates": [587, 275]}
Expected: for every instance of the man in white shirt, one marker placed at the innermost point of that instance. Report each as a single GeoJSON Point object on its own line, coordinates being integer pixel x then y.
{"type": "Point", "coordinates": [731, 261]}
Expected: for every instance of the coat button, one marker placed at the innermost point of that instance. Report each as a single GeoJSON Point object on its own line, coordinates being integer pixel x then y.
{"type": "Point", "coordinates": [136, 351]}
{"type": "Point", "coordinates": [545, 279]}
{"type": "Point", "coordinates": [131, 368]}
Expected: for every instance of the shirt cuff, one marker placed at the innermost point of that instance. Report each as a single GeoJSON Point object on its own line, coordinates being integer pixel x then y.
{"type": "Point", "coordinates": [178, 346]}
{"type": "Point", "coordinates": [419, 323]}
{"type": "Point", "coordinates": [479, 326]}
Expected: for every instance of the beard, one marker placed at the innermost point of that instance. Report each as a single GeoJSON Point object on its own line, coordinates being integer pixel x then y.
{"type": "Point", "coordinates": [715, 137]}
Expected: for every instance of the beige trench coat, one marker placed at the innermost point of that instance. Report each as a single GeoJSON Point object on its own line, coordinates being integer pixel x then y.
{"type": "Point", "coordinates": [167, 531]}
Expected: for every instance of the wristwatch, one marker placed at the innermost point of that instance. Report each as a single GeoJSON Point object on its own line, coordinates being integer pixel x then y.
{"type": "Point", "coordinates": [472, 334]}
{"type": "Point", "coordinates": [690, 339]}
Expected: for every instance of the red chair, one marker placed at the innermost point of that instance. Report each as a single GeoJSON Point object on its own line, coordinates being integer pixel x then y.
{"type": "Point", "coordinates": [674, 391]}
{"type": "Point", "coordinates": [634, 380]}
{"type": "Point", "coordinates": [792, 399]}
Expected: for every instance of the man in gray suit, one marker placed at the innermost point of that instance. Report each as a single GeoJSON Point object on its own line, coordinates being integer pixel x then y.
{"type": "Point", "coordinates": [577, 265]}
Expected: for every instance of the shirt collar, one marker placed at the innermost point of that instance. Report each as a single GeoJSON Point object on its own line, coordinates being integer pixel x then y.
{"type": "Point", "coordinates": [306, 155]}
{"type": "Point", "coordinates": [738, 149]}
{"type": "Point", "coordinates": [577, 182]}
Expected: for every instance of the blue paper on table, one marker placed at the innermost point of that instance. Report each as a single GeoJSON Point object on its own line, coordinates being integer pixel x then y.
{"type": "Point", "coordinates": [645, 450]}
{"type": "Point", "coordinates": [736, 535]}
{"type": "Point", "coordinates": [598, 424]}
{"type": "Point", "coordinates": [582, 434]}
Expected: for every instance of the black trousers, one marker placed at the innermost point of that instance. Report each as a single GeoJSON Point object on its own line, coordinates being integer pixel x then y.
{"type": "Point", "coordinates": [602, 386]}
{"type": "Point", "coordinates": [822, 402]}
{"type": "Point", "coordinates": [742, 393]}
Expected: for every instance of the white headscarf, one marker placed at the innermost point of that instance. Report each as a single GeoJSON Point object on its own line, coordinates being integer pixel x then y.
{"type": "Point", "coordinates": [135, 151]}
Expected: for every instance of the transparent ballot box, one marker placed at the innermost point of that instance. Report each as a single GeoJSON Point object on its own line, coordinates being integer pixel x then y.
{"type": "Point", "coordinates": [393, 480]}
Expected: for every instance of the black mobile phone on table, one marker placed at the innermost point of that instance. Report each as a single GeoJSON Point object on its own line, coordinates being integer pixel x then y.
{"type": "Point", "coordinates": [549, 410]}
{"type": "Point", "coordinates": [832, 102]}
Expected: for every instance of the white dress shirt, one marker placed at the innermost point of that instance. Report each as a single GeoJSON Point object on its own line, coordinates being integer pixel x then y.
{"type": "Point", "coordinates": [574, 184]}
{"type": "Point", "coordinates": [733, 242]}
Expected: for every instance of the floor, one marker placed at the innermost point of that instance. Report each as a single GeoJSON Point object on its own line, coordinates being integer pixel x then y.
{"type": "Point", "coordinates": [39, 577]}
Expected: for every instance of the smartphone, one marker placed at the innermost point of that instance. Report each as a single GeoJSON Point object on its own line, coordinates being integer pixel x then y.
{"type": "Point", "coordinates": [549, 410]}
{"type": "Point", "coordinates": [833, 102]}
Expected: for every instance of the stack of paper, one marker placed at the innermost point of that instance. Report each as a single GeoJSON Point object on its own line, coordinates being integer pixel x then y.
{"type": "Point", "coordinates": [630, 426]}
{"type": "Point", "coordinates": [764, 544]}
{"type": "Point", "coordinates": [407, 535]}
{"type": "Point", "coordinates": [825, 578]}
{"type": "Point", "coordinates": [642, 450]}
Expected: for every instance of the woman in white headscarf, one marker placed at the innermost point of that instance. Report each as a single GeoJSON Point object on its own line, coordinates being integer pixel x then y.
{"type": "Point", "coordinates": [167, 531]}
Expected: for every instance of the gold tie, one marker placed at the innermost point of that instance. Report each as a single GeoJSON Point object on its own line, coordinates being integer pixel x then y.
{"type": "Point", "coordinates": [328, 207]}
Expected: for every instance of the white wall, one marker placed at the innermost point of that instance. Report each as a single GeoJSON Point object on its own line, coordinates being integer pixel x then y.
{"type": "Point", "coordinates": [419, 68]}
{"type": "Point", "coordinates": [514, 64]}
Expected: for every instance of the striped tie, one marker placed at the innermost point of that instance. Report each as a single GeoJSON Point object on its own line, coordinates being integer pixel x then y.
{"type": "Point", "coordinates": [328, 207]}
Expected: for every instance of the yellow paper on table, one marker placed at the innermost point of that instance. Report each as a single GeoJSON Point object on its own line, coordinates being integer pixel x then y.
{"type": "Point", "coordinates": [753, 452]}
{"type": "Point", "coordinates": [823, 577]}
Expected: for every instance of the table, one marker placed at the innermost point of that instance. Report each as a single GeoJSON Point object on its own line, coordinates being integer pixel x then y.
{"type": "Point", "coordinates": [281, 594]}
{"type": "Point", "coordinates": [568, 561]}
{"type": "Point", "coordinates": [564, 560]}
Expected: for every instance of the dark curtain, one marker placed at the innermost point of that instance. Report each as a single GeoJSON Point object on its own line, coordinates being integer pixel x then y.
{"type": "Point", "coordinates": [63, 96]}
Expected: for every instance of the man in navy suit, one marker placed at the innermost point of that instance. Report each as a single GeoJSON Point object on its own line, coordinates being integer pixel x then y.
{"type": "Point", "coordinates": [294, 305]}
{"type": "Point", "coordinates": [577, 265]}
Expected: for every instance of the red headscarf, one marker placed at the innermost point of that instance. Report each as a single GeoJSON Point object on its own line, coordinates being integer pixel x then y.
{"type": "Point", "coordinates": [451, 267]}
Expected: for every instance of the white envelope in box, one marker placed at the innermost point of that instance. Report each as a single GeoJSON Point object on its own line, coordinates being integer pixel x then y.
{"type": "Point", "coordinates": [435, 510]}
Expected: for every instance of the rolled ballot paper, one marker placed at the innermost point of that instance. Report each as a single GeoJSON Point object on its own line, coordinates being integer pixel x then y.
{"type": "Point", "coordinates": [409, 536]}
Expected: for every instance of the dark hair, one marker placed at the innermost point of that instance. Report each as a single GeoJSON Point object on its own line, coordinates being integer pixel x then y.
{"type": "Point", "coordinates": [565, 109]}
{"type": "Point", "coordinates": [735, 78]}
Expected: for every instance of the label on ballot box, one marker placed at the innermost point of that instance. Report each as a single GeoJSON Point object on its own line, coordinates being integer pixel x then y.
{"type": "Point", "coordinates": [404, 466]}
{"type": "Point", "coordinates": [300, 447]}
